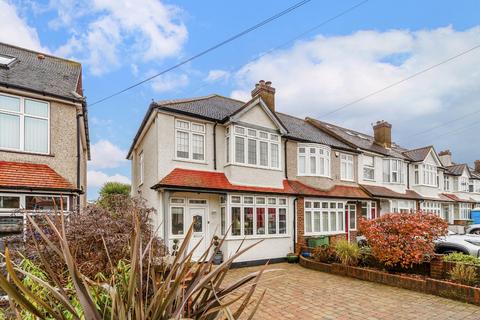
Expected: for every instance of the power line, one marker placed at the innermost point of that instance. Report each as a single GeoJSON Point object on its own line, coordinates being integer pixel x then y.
{"type": "Point", "coordinates": [218, 45]}
{"type": "Point", "coordinates": [455, 131]}
{"type": "Point", "coordinates": [400, 81]}
{"type": "Point", "coordinates": [300, 35]}
{"type": "Point", "coordinates": [445, 123]}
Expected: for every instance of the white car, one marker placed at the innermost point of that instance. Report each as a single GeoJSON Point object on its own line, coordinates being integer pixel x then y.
{"type": "Point", "coordinates": [473, 229]}
{"type": "Point", "coordinates": [464, 243]}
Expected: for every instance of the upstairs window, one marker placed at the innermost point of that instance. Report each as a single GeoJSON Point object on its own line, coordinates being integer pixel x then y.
{"type": "Point", "coordinates": [141, 167]}
{"type": "Point", "coordinates": [429, 175]}
{"type": "Point", "coordinates": [253, 147]}
{"type": "Point", "coordinates": [463, 184]}
{"type": "Point", "coordinates": [190, 140]}
{"type": "Point", "coordinates": [368, 168]}
{"type": "Point", "coordinates": [346, 167]}
{"type": "Point", "coordinates": [24, 124]}
{"type": "Point", "coordinates": [393, 171]}
{"type": "Point", "coordinates": [446, 183]}
{"type": "Point", "coordinates": [313, 160]}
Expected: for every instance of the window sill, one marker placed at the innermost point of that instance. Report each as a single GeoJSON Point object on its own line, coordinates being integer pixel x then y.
{"type": "Point", "coordinates": [347, 180]}
{"type": "Point", "coordinates": [314, 234]}
{"type": "Point", "coordinates": [253, 167]}
{"type": "Point", "coordinates": [190, 161]}
{"type": "Point", "coordinates": [272, 236]}
{"type": "Point", "coordinates": [28, 153]}
{"type": "Point", "coordinates": [314, 176]}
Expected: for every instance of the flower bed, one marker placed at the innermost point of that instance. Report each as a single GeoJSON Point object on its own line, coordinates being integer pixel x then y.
{"type": "Point", "coordinates": [436, 287]}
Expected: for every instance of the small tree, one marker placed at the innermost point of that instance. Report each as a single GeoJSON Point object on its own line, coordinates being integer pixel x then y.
{"type": "Point", "coordinates": [111, 192]}
{"type": "Point", "coordinates": [403, 239]}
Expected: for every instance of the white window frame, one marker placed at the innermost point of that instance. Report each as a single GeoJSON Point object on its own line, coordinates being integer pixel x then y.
{"type": "Point", "coordinates": [464, 211]}
{"type": "Point", "coordinates": [400, 171]}
{"type": "Point", "coordinates": [141, 167]}
{"type": "Point", "coordinates": [433, 207]}
{"type": "Point", "coordinates": [347, 160]}
{"type": "Point", "coordinates": [463, 184]}
{"type": "Point", "coordinates": [23, 201]}
{"type": "Point", "coordinates": [446, 183]}
{"type": "Point", "coordinates": [370, 167]}
{"type": "Point", "coordinates": [190, 133]}
{"type": "Point", "coordinates": [398, 206]}
{"type": "Point", "coordinates": [321, 152]}
{"type": "Point", "coordinates": [370, 206]}
{"type": "Point", "coordinates": [256, 205]}
{"type": "Point", "coordinates": [22, 115]}
{"type": "Point", "coordinates": [259, 136]}
{"type": "Point", "coordinates": [324, 206]}
{"type": "Point", "coordinates": [182, 205]}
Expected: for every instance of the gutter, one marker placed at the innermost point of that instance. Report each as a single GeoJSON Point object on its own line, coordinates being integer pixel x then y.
{"type": "Point", "coordinates": [40, 189]}
{"type": "Point", "coordinates": [43, 93]}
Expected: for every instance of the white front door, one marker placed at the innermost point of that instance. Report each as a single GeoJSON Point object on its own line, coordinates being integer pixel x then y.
{"type": "Point", "coordinates": [198, 218]}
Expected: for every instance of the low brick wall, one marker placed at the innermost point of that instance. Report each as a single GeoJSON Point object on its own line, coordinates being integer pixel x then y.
{"type": "Point", "coordinates": [426, 285]}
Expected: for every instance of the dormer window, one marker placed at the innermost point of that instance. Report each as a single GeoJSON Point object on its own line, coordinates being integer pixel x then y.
{"type": "Point", "coordinates": [6, 61]}
{"type": "Point", "coordinates": [427, 175]}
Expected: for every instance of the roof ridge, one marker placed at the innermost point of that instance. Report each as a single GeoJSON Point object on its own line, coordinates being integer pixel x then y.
{"type": "Point", "coordinates": [39, 52]}
{"type": "Point", "coordinates": [416, 149]}
{"type": "Point", "coordinates": [199, 98]}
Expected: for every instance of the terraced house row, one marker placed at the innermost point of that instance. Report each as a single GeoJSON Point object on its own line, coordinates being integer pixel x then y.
{"type": "Point", "coordinates": [245, 170]}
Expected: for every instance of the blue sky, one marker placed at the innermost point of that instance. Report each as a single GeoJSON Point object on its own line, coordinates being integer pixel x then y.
{"type": "Point", "coordinates": [120, 42]}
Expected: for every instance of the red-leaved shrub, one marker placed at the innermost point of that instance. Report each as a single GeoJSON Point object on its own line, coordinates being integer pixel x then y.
{"type": "Point", "coordinates": [403, 239]}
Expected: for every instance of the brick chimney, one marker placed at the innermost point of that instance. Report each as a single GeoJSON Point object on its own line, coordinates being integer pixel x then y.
{"type": "Point", "coordinates": [382, 131]}
{"type": "Point", "coordinates": [445, 157]}
{"type": "Point", "coordinates": [477, 166]}
{"type": "Point", "coordinates": [266, 92]}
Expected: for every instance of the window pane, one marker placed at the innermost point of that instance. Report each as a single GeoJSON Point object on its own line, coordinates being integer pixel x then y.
{"type": "Point", "coordinates": [248, 200]}
{"type": "Point", "coordinates": [182, 144]}
{"type": "Point", "coordinates": [274, 155]}
{"type": "Point", "coordinates": [301, 164]}
{"type": "Point", "coordinates": [252, 133]}
{"type": "Point", "coordinates": [236, 228]}
{"type": "Point", "coordinates": [313, 165]}
{"type": "Point", "coordinates": [36, 135]}
{"type": "Point", "coordinates": [9, 131]}
{"type": "Point", "coordinates": [333, 221]}
{"type": "Point", "coordinates": [36, 108]}
{"type": "Point", "coordinates": [239, 130]}
{"type": "Point", "coordinates": [177, 220]}
{"type": "Point", "coordinates": [263, 135]}
{"type": "Point", "coordinates": [260, 220]}
{"type": "Point", "coordinates": [272, 221]}
{"type": "Point", "coordinates": [324, 221]}
{"type": "Point", "coordinates": [282, 221]}
{"type": "Point", "coordinates": [222, 220]}
{"type": "Point", "coordinates": [183, 124]}
{"type": "Point", "coordinates": [197, 147]}
{"type": "Point", "coordinates": [341, 220]}
{"type": "Point", "coordinates": [263, 153]}
{"type": "Point", "coordinates": [316, 221]}
{"type": "Point", "coordinates": [308, 221]}
{"type": "Point", "coordinates": [228, 150]}
{"type": "Point", "coordinates": [239, 150]}
{"type": "Point", "coordinates": [248, 221]}
{"type": "Point", "coordinates": [9, 202]}
{"type": "Point", "coordinates": [9, 103]}
{"type": "Point", "coordinates": [272, 200]}
{"type": "Point", "coordinates": [282, 201]}
{"type": "Point", "coordinates": [252, 151]}
{"type": "Point", "coordinates": [198, 127]}
{"type": "Point", "coordinates": [260, 200]}
{"type": "Point", "coordinates": [45, 203]}
{"type": "Point", "coordinates": [236, 199]}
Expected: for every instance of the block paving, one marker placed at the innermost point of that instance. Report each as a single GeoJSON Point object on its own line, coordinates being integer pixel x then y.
{"type": "Point", "coordinates": [294, 292]}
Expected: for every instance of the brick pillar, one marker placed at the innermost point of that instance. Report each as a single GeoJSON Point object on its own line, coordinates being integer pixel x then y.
{"type": "Point", "coordinates": [300, 225]}
{"type": "Point", "coordinates": [437, 267]}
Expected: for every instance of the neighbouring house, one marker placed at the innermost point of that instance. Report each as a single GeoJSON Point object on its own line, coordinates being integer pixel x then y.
{"type": "Point", "coordinates": [44, 143]}
{"type": "Point", "coordinates": [247, 171]}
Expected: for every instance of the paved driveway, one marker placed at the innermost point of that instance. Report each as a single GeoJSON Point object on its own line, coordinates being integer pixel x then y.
{"type": "Point", "coordinates": [299, 293]}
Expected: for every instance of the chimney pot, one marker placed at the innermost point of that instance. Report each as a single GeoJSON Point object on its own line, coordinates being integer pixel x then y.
{"type": "Point", "coordinates": [40, 56]}
{"type": "Point", "coordinates": [266, 92]}
{"type": "Point", "coordinates": [445, 157]}
{"type": "Point", "coordinates": [477, 166]}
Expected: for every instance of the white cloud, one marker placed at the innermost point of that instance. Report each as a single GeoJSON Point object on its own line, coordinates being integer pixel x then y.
{"type": "Point", "coordinates": [321, 74]}
{"type": "Point", "coordinates": [215, 75]}
{"type": "Point", "coordinates": [99, 178]}
{"type": "Point", "coordinates": [169, 82]}
{"type": "Point", "coordinates": [107, 155]}
{"type": "Point", "coordinates": [15, 30]}
{"type": "Point", "coordinates": [117, 31]}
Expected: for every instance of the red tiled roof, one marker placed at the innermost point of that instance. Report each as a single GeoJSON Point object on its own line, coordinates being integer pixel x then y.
{"type": "Point", "coordinates": [186, 178]}
{"type": "Point", "coordinates": [31, 176]}
{"type": "Point", "coordinates": [382, 192]}
{"type": "Point", "coordinates": [457, 198]}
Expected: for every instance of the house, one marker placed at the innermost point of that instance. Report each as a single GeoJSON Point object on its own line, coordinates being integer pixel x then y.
{"type": "Point", "coordinates": [44, 142]}
{"type": "Point", "coordinates": [221, 163]}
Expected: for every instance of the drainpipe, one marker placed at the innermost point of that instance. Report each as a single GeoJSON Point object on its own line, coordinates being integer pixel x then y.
{"type": "Point", "coordinates": [215, 146]}
{"type": "Point", "coordinates": [295, 224]}
{"type": "Point", "coordinates": [285, 160]}
{"type": "Point", "coordinates": [408, 176]}
{"type": "Point", "coordinates": [78, 156]}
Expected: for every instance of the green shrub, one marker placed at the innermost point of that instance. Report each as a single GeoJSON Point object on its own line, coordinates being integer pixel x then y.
{"type": "Point", "coordinates": [462, 258]}
{"type": "Point", "coordinates": [464, 274]}
{"type": "Point", "coordinates": [348, 253]}
{"type": "Point", "coordinates": [325, 254]}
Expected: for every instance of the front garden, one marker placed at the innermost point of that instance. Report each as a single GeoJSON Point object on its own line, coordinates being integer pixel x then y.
{"type": "Point", "coordinates": [400, 252]}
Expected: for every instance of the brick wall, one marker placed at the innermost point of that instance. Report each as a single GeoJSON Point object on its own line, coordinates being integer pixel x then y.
{"type": "Point", "coordinates": [301, 242]}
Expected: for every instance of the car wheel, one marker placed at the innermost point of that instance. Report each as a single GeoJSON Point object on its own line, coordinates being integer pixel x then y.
{"type": "Point", "coordinates": [475, 231]}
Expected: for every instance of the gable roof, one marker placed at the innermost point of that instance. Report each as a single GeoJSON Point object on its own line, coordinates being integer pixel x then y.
{"type": "Point", "coordinates": [360, 140]}
{"type": "Point", "coordinates": [48, 75]}
{"type": "Point", "coordinates": [383, 192]}
{"type": "Point", "coordinates": [32, 176]}
{"type": "Point", "coordinates": [456, 169]}
{"type": "Point", "coordinates": [217, 108]}
{"type": "Point", "coordinates": [417, 155]}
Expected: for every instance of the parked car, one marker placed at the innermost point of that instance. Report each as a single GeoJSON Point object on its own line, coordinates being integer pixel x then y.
{"type": "Point", "coordinates": [473, 229]}
{"type": "Point", "coordinates": [464, 243]}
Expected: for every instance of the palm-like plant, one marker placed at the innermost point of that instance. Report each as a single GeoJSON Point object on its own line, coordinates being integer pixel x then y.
{"type": "Point", "coordinates": [179, 289]}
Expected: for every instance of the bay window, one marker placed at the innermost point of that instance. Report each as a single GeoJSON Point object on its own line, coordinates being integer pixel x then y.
{"type": "Point", "coordinates": [346, 167]}
{"type": "Point", "coordinates": [402, 206]}
{"type": "Point", "coordinates": [431, 207]}
{"type": "Point", "coordinates": [324, 217]}
{"type": "Point", "coordinates": [464, 211]}
{"type": "Point", "coordinates": [34, 202]}
{"type": "Point", "coordinates": [368, 168]}
{"type": "Point", "coordinates": [313, 160]}
{"type": "Point", "coordinates": [190, 140]}
{"type": "Point", "coordinates": [253, 147]}
{"type": "Point", "coordinates": [393, 171]}
{"type": "Point", "coordinates": [258, 216]}
{"type": "Point", "coordinates": [24, 124]}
